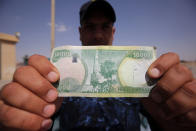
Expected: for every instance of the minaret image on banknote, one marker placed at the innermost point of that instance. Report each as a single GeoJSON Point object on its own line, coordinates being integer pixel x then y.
{"type": "Point", "coordinates": [96, 78]}
{"type": "Point", "coordinates": [97, 68]}
{"type": "Point", "coordinates": [103, 72]}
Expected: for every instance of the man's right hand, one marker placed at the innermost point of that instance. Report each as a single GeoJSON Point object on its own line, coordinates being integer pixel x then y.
{"type": "Point", "coordinates": [30, 100]}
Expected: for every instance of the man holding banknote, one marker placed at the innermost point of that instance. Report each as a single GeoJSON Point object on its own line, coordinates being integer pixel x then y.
{"type": "Point", "coordinates": [29, 102]}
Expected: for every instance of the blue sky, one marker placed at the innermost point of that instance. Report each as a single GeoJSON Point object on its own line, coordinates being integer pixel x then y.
{"type": "Point", "coordinates": [170, 25]}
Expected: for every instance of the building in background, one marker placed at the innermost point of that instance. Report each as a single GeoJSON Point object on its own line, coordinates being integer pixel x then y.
{"type": "Point", "coordinates": [7, 56]}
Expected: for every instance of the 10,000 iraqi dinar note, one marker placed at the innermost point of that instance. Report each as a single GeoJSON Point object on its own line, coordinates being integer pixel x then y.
{"type": "Point", "coordinates": [103, 71]}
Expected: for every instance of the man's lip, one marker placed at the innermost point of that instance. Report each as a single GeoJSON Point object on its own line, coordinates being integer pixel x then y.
{"type": "Point", "coordinates": [97, 43]}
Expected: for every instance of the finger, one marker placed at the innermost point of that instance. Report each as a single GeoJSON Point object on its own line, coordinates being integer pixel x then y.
{"type": "Point", "coordinates": [187, 119]}
{"type": "Point", "coordinates": [161, 120]}
{"type": "Point", "coordinates": [160, 66]}
{"type": "Point", "coordinates": [43, 66]}
{"type": "Point", "coordinates": [17, 96]}
{"type": "Point", "coordinates": [173, 79]}
{"type": "Point", "coordinates": [150, 106]}
{"type": "Point", "coordinates": [15, 118]}
{"type": "Point", "coordinates": [184, 100]}
{"type": "Point", "coordinates": [29, 78]}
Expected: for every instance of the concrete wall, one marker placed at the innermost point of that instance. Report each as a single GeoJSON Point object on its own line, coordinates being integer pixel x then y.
{"type": "Point", "coordinates": [7, 56]}
{"type": "Point", "coordinates": [8, 60]}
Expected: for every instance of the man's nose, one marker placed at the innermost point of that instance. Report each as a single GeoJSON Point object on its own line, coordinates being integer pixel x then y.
{"type": "Point", "coordinates": [98, 34]}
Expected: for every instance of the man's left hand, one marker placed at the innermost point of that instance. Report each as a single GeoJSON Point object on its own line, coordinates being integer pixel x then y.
{"type": "Point", "coordinates": [172, 102]}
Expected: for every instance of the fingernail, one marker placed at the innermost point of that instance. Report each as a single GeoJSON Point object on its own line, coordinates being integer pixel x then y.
{"type": "Point", "coordinates": [150, 81]}
{"type": "Point", "coordinates": [52, 76]}
{"type": "Point", "coordinates": [156, 97]}
{"type": "Point", "coordinates": [48, 110]}
{"type": "Point", "coordinates": [155, 72]}
{"type": "Point", "coordinates": [46, 124]}
{"type": "Point", "coordinates": [52, 95]}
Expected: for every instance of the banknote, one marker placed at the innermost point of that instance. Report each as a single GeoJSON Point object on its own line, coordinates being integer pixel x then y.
{"type": "Point", "coordinates": [103, 71]}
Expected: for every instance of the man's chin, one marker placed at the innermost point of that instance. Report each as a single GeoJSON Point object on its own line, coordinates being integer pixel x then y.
{"type": "Point", "coordinates": [95, 44]}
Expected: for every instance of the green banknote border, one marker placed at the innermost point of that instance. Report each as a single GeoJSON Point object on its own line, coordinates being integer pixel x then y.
{"type": "Point", "coordinates": [104, 95]}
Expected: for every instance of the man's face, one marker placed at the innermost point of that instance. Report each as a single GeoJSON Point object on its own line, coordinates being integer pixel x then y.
{"type": "Point", "coordinates": [97, 30]}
